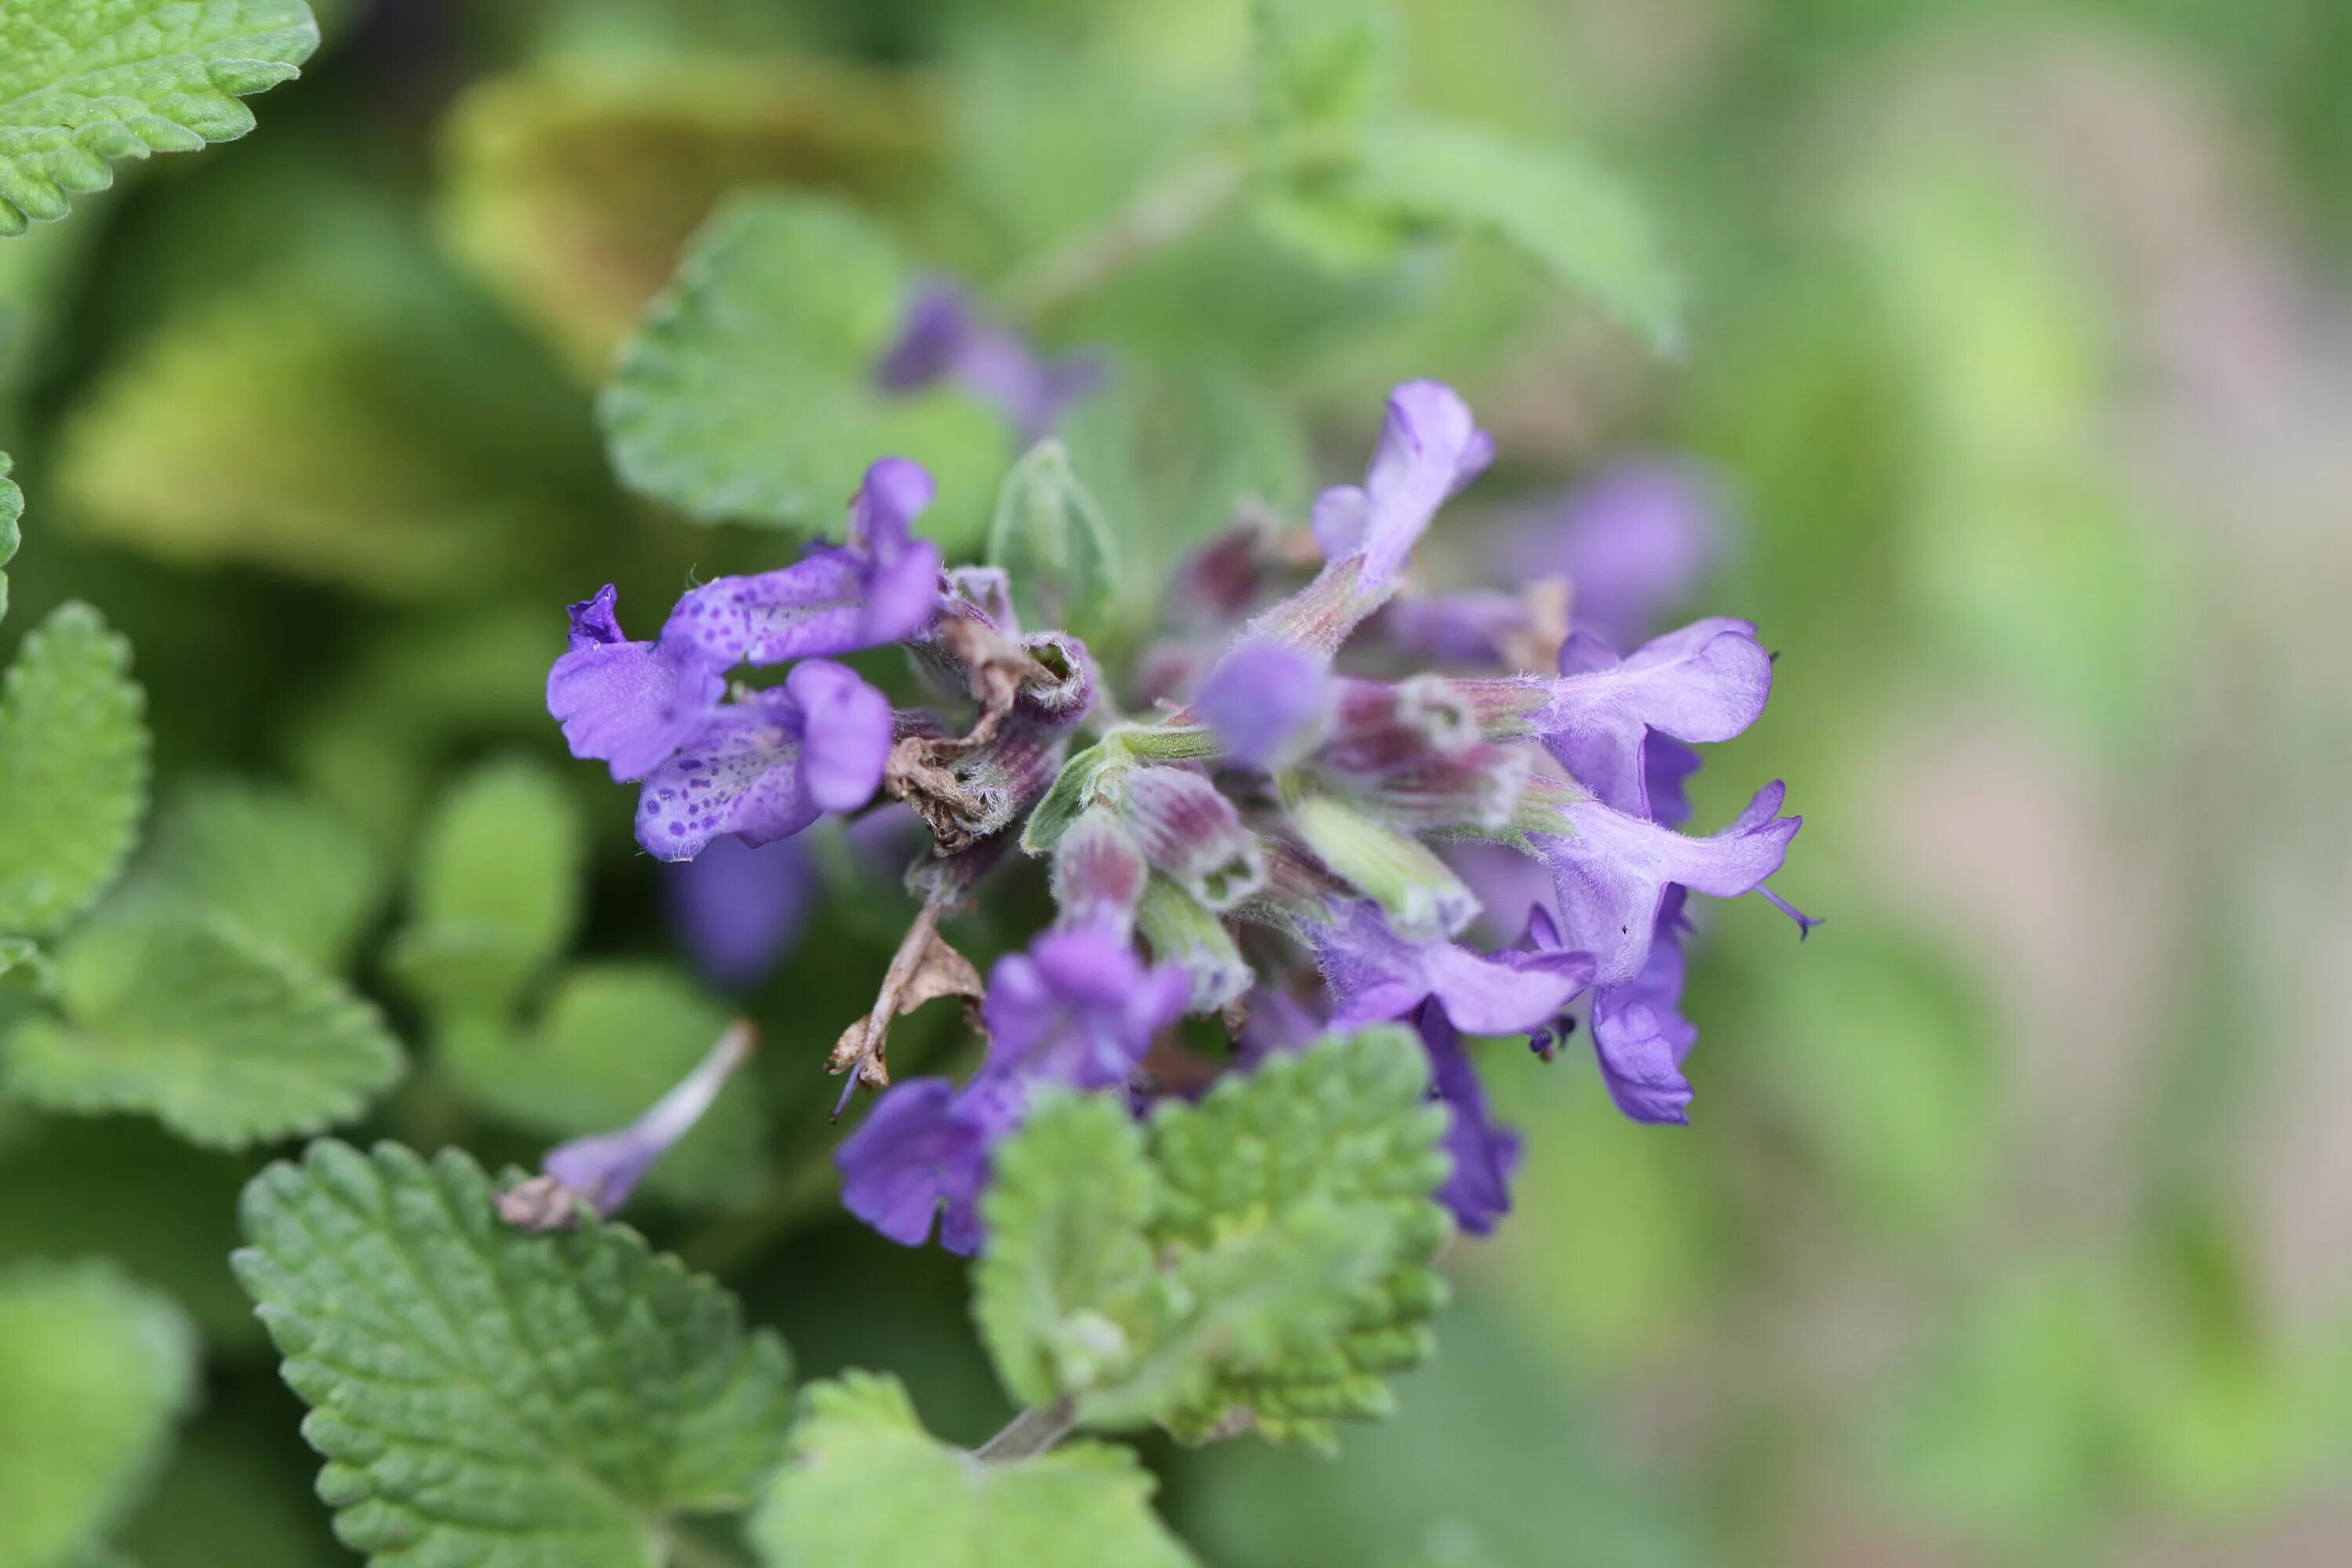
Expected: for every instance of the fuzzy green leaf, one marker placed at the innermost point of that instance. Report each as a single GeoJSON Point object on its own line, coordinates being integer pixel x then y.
{"type": "Point", "coordinates": [868, 1487]}
{"type": "Point", "coordinates": [277, 864]}
{"type": "Point", "coordinates": [94, 1371]}
{"type": "Point", "coordinates": [497, 891]}
{"type": "Point", "coordinates": [615, 1037]}
{"type": "Point", "coordinates": [220, 1037]}
{"type": "Point", "coordinates": [495, 1399]}
{"type": "Point", "coordinates": [12, 511]}
{"type": "Point", "coordinates": [747, 394]}
{"type": "Point", "coordinates": [86, 81]}
{"type": "Point", "coordinates": [73, 770]}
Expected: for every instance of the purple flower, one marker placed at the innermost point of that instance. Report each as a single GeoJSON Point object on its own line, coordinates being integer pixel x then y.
{"type": "Point", "coordinates": [1265, 700]}
{"type": "Point", "coordinates": [629, 704]}
{"type": "Point", "coordinates": [1705, 682]}
{"type": "Point", "coordinates": [1484, 1155]}
{"type": "Point", "coordinates": [766, 767]}
{"type": "Point", "coordinates": [1429, 448]}
{"type": "Point", "coordinates": [880, 587]}
{"type": "Point", "coordinates": [603, 1171]}
{"type": "Point", "coordinates": [737, 909]}
{"type": "Point", "coordinates": [916, 1159]}
{"type": "Point", "coordinates": [1375, 975]}
{"type": "Point", "coordinates": [1612, 871]}
{"type": "Point", "coordinates": [1639, 1034]}
{"type": "Point", "coordinates": [1633, 540]}
{"type": "Point", "coordinates": [945, 340]}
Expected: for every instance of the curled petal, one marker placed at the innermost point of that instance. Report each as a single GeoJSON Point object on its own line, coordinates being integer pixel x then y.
{"type": "Point", "coordinates": [916, 1161]}
{"type": "Point", "coordinates": [1707, 682]}
{"type": "Point", "coordinates": [628, 704]}
{"type": "Point", "coordinates": [1375, 974]}
{"type": "Point", "coordinates": [1484, 1155]}
{"type": "Point", "coordinates": [1429, 448]}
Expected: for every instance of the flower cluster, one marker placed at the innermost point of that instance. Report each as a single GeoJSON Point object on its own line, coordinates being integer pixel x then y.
{"type": "Point", "coordinates": [1292, 843]}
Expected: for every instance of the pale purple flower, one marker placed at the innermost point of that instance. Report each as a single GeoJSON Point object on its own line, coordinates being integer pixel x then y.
{"type": "Point", "coordinates": [1612, 871]}
{"type": "Point", "coordinates": [603, 1169]}
{"type": "Point", "coordinates": [738, 910]}
{"type": "Point", "coordinates": [1633, 540]}
{"type": "Point", "coordinates": [1707, 682]}
{"type": "Point", "coordinates": [1266, 702]}
{"type": "Point", "coordinates": [1375, 975]}
{"type": "Point", "coordinates": [918, 1159]}
{"type": "Point", "coordinates": [1429, 448]}
{"type": "Point", "coordinates": [944, 339]}
{"type": "Point", "coordinates": [882, 586]}
{"type": "Point", "coordinates": [628, 704]}
{"type": "Point", "coordinates": [1639, 1035]}
{"type": "Point", "coordinates": [1484, 1155]}
{"type": "Point", "coordinates": [768, 766]}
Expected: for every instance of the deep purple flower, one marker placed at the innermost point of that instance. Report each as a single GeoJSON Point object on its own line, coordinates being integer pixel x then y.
{"type": "Point", "coordinates": [944, 339]}
{"type": "Point", "coordinates": [1485, 1155]}
{"type": "Point", "coordinates": [917, 1159]}
{"type": "Point", "coordinates": [603, 1169]}
{"type": "Point", "coordinates": [1705, 682]}
{"type": "Point", "coordinates": [1079, 1009]}
{"type": "Point", "coordinates": [1265, 700]}
{"type": "Point", "coordinates": [880, 587]}
{"type": "Point", "coordinates": [1633, 540]}
{"type": "Point", "coordinates": [629, 704]}
{"type": "Point", "coordinates": [737, 909]}
{"type": "Point", "coordinates": [1429, 448]}
{"type": "Point", "coordinates": [1375, 975]}
{"type": "Point", "coordinates": [1612, 871]}
{"type": "Point", "coordinates": [768, 766]}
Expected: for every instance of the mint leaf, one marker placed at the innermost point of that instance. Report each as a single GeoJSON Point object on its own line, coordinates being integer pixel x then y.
{"type": "Point", "coordinates": [187, 1018]}
{"type": "Point", "coordinates": [497, 889]}
{"type": "Point", "coordinates": [281, 867]}
{"type": "Point", "coordinates": [1571, 218]}
{"type": "Point", "coordinates": [747, 394]}
{"type": "Point", "coordinates": [94, 1371]}
{"type": "Point", "coordinates": [868, 1487]}
{"type": "Point", "coordinates": [613, 1039]}
{"type": "Point", "coordinates": [496, 1399]}
{"type": "Point", "coordinates": [83, 81]}
{"type": "Point", "coordinates": [12, 511]}
{"type": "Point", "coordinates": [73, 770]}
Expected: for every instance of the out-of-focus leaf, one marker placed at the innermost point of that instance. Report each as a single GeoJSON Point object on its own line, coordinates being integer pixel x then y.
{"type": "Point", "coordinates": [238, 1473]}
{"type": "Point", "coordinates": [12, 511]}
{"type": "Point", "coordinates": [1322, 67]}
{"type": "Point", "coordinates": [748, 394]}
{"type": "Point", "coordinates": [73, 770]}
{"type": "Point", "coordinates": [613, 1039]}
{"type": "Point", "coordinates": [431, 1339]}
{"type": "Point", "coordinates": [83, 81]}
{"type": "Point", "coordinates": [94, 1371]}
{"type": "Point", "coordinates": [275, 863]}
{"type": "Point", "coordinates": [1050, 537]}
{"type": "Point", "coordinates": [497, 890]}
{"type": "Point", "coordinates": [223, 1038]}
{"type": "Point", "coordinates": [571, 187]}
{"type": "Point", "coordinates": [867, 1487]}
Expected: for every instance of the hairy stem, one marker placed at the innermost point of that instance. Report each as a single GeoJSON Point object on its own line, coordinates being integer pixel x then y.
{"type": "Point", "coordinates": [1179, 205]}
{"type": "Point", "coordinates": [1032, 1432]}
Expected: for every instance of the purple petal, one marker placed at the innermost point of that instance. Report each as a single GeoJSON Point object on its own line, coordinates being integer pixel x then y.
{"type": "Point", "coordinates": [594, 621]}
{"type": "Point", "coordinates": [1639, 1035]}
{"type": "Point", "coordinates": [1634, 541]}
{"type": "Point", "coordinates": [605, 1169]}
{"type": "Point", "coordinates": [1484, 1155]}
{"type": "Point", "coordinates": [1429, 448]}
{"type": "Point", "coordinates": [738, 774]}
{"type": "Point", "coordinates": [912, 1159]}
{"type": "Point", "coordinates": [1079, 1008]}
{"type": "Point", "coordinates": [1264, 700]}
{"type": "Point", "coordinates": [1666, 768]}
{"type": "Point", "coordinates": [737, 909]}
{"type": "Point", "coordinates": [1707, 682]}
{"type": "Point", "coordinates": [1613, 873]}
{"type": "Point", "coordinates": [894, 491]}
{"type": "Point", "coordinates": [1374, 975]}
{"type": "Point", "coordinates": [938, 323]}
{"type": "Point", "coordinates": [628, 704]}
{"type": "Point", "coordinates": [844, 735]}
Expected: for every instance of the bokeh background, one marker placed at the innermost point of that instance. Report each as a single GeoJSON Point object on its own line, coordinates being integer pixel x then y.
{"type": "Point", "coordinates": [2014, 1224]}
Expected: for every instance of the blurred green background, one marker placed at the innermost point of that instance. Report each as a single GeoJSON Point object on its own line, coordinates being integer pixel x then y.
{"type": "Point", "coordinates": [2015, 1221]}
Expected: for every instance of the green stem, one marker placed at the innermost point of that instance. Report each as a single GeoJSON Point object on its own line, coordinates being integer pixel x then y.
{"type": "Point", "coordinates": [1030, 1433]}
{"type": "Point", "coordinates": [1193, 192]}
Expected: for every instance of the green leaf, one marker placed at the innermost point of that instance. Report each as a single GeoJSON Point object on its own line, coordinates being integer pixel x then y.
{"type": "Point", "coordinates": [1573, 219]}
{"type": "Point", "coordinates": [1069, 1207]}
{"type": "Point", "coordinates": [1321, 67]}
{"type": "Point", "coordinates": [497, 893]}
{"type": "Point", "coordinates": [1344, 1125]}
{"type": "Point", "coordinates": [12, 511]}
{"type": "Point", "coordinates": [185, 1017]}
{"type": "Point", "coordinates": [83, 81]}
{"type": "Point", "coordinates": [747, 394]}
{"type": "Point", "coordinates": [868, 1487]}
{"type": "Point", "coordinates": [1050, 537]}
{"type": "Point", "coordinates": [94, 1373]}
{"type": "Point", "coordinates": [1259, 1258]}
{"type": "Point", "coordinates": [487, 1397]}
{"type": "Point", "coordinates": [73, 770]}
{"type": "Point", "coordinates": [615, 1039]}
{"type": "Point", "coordinates": [278, 865]}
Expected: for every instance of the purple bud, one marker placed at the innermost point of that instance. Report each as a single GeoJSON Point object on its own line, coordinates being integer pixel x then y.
{"type": "Point", "coordinates": [1265, 701]}
{"type": "Point", "coordinates": [1429, 448]}
{"type": "Point", "coordinates": [1099, 874]}
{"type": "Point", "coordinates": [1188, 829]}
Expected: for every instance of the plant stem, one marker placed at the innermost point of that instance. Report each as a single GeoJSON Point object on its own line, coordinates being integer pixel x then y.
{"type": "Point", "coordinates": [1032, 1432]}
{"type": "Point", "coordinates": [1187, 198]}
